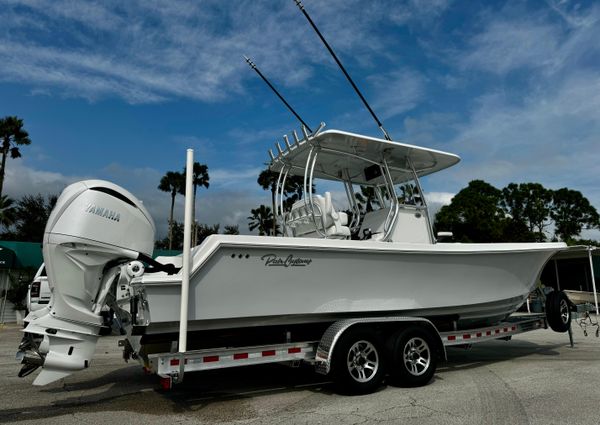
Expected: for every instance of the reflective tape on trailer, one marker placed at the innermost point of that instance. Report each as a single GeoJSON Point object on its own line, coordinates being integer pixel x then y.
{"type": "Point", "coordinates": [494, 332]}
{"type": "Point", "coordinates": [168, 363]}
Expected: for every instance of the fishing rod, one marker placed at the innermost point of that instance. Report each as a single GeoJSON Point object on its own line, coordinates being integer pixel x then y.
{"type": "Point", "coordinates": [254, 67]}
{"type": "Point", "coordinates": [312, 24]}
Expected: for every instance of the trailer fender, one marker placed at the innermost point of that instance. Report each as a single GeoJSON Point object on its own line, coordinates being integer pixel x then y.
{"type": "Point", "coordinates": [336, 330]}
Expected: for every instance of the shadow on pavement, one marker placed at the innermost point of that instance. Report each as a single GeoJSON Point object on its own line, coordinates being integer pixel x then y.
{"type": "Point", "coordinates": [224, 394]}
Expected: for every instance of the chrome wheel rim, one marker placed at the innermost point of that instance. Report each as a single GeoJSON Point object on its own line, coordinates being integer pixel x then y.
{"type": "Point", "coordinates": [564, 311]}
{"type": "Point", "coordinates": [417, 356]}
{"type": "Point", "coordinates": [362, 361]}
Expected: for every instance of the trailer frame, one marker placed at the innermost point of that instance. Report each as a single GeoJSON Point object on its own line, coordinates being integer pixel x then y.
{"type": "Point", "coordinates": [171, 367]}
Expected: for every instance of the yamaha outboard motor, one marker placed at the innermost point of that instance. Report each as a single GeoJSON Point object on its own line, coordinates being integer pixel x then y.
{"type": "Point", "coordinates": [95, 229]}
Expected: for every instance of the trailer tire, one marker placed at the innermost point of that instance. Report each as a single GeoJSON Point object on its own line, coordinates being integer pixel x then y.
{"type": "Point", "coordinates": [413, 356]}
{"type": "Point", "coordinates": [558, 311]}
{"type": "Point", "coordinates": [358, 362]}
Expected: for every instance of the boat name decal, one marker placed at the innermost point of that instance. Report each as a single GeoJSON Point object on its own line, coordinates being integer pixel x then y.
{"type": "Point", "coordinates": [272, 260]}
{"type": "Point", "coordinates": [103, 212]}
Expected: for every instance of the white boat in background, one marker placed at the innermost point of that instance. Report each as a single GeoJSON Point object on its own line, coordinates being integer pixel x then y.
{"type": "Point", "coordinates": [581, 297]}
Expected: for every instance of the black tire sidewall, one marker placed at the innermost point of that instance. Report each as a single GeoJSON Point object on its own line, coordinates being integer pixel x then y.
{"type": "Point", "coordinates": [553, 301]}
{"type": "Point", "coordinates": [395, 345]}
{"type": "Point", "coordinates": [339, 369]}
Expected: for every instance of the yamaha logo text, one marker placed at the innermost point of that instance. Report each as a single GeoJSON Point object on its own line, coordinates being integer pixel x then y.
{"type": "Point", "coordinates": [103, 212]}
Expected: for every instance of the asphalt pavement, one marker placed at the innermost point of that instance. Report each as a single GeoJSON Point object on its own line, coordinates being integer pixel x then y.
{"type": "Point", "coordinates": [536, 378]}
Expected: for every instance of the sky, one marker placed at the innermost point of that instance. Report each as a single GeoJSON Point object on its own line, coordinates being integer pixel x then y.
{"type": "Point", "coordinates": [119, 90]}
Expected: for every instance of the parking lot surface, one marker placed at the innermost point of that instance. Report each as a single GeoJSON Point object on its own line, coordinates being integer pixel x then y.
{"type": "Point", "coordinates": [536, 378]}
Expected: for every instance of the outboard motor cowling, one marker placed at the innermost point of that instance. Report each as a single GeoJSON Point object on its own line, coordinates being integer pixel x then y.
{"type": "Point", "coordinates": [94, 229]}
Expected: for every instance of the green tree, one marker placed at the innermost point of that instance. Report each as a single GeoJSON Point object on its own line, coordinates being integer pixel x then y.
{"type": "Point", "coordinates": [205, 230]}
{"type": "Point", "coordinates": [175, 241]}
{"type": "Point", "coordinates": [262, 219]}
{"type": "Point", "coordinates": [7, 212]}
{"type": "Point", "coordinates": [529, 206]}
{"type": "Point", "coordinates": [200, 178]}
{"type": "Point", "coordinates": [12, 135]}
{"type": "Point", "coordinates": [366, 198]}
{"type": "Point", "coordinates": [17, 293]}
{"type": "Point", "coordinates": [571, 212]}
{"type": "Point", "coordinates": [172, 182]}
{"type": "Point", "coordinates": [294, 186]}
{"type": "Point", "coordinates": [474, 215]}
{"type": "Point", "coordinates": [31, 214]}
{"type": "Point", "coordinates": [232, 229]}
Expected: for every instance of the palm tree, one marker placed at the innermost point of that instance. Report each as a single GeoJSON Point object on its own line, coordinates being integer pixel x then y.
{"type": "Point", "coordinates": [262, 219]}
{"type": "Point", "coordinates": [200, 178]}
{"type": "Point", "coordinates": [294, 186]}
{"type": "Point", "coordinates": [12, 136]}
{"type": "Point", "coordinates": [367, 198]}
{"type": "Point", "coordinates": [7, 211]}
{"type": "Point", "coordinates": [31, 215]}
{"type": "Point", "coordinates": [172, 182]}
{"type": "Point", "coordinates": [231, 229]}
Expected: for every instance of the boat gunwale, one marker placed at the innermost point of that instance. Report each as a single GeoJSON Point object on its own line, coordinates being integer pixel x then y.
{"type": "Point", "coordinates": [214, 243]}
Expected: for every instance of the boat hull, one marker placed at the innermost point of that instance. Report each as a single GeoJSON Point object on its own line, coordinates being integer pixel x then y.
{"type": "Point", "coordinates": [582, 297]}
{"type": "Point", "coordinates": [256, 281]}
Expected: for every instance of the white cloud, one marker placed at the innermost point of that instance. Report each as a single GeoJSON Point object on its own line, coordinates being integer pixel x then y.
{"type": "Point", "coordinates": [508, 45]}
{"type": "Point", "coordinates": [540, 125]}
{"type": "Point", "coordinates": [421, 11]}
{"type": "Point", "coordinates": [441, 198]}
{"type": "Point", "coordinates": [551, 138]}
{"type": "Point", "coordinates": [222, 177]}
{"type": "Point", "coordinates": [436, 200]}
{"type": "Point", "coordinates": [397, 92]}
{"type": "Point", "coordinates": [517, 39]}
{"type": "Point", "coordinates": [148, 51]}
{"type": "Point", "coordinates": [21, 180]}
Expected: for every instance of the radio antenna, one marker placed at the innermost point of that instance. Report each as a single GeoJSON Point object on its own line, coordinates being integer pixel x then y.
{"type": "Point", "coordinates": [254, 67]}
{"type": "Point", "coordinates": [312, 24]}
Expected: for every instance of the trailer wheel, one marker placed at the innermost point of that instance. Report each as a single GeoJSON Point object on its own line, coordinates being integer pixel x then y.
{"type": "Point", "coordinates": [413, 356]}
{"type": "Point", "coordinates": [358, 363]}
{"type": "Point", "coordinates": [558, 311]}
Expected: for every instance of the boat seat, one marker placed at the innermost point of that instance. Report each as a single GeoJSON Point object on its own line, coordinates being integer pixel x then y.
{"type": "Point", "coordinates": [374, 220]}
{"type": "Point", "coordinates": [300, 219]}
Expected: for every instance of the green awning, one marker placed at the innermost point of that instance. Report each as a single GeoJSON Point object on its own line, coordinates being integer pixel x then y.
{"type": "Point", "coordinates": [7, 258]}
{"type": "Point", "coordinates": [27, 254]}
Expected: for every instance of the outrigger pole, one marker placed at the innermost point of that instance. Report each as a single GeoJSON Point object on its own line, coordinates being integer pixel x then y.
{"type": "Point", "coordinates": [254, 67]}
{"type": "Point", "coordinates": [312, 24]}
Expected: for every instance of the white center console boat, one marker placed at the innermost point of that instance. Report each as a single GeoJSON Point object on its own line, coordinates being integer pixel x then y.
{"type": "Point", "coordinates": [330, 264]}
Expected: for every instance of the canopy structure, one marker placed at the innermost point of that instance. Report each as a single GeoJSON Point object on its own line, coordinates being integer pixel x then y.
{"type": "Point", "coordinates": [580, 251]}
{"type": "Point", "coordinates": [7, 258]}
{"type": "Point", "coordinates": [340, 152]}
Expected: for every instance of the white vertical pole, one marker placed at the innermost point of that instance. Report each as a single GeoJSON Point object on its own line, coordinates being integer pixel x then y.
{"type": "Point", "coordinates": [593, 278]}
{"type": "Point", "coordinates": [187, 234]}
